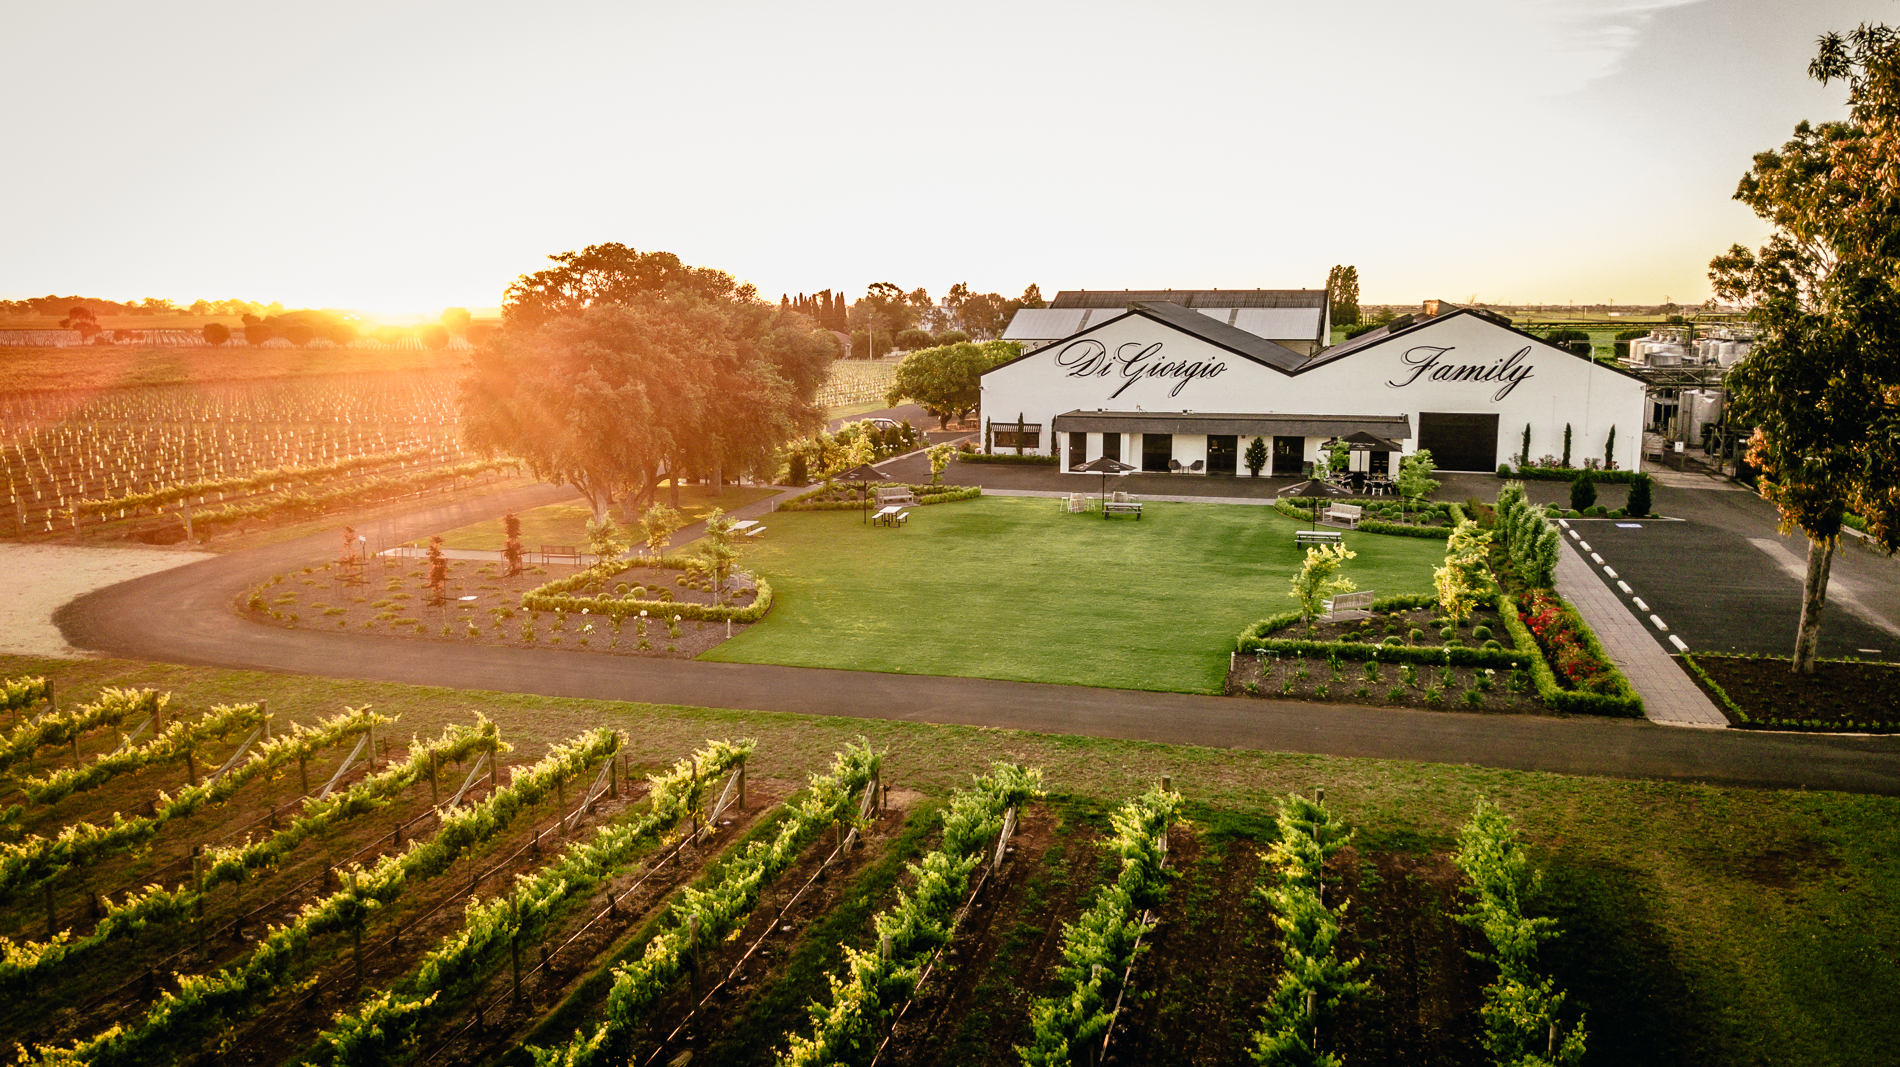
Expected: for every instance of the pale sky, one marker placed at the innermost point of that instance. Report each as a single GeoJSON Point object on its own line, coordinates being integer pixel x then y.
{"type": "Point", "coordinates": [406, 157]}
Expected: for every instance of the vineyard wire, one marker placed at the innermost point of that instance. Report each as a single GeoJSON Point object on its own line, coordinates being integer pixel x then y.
{"type": "Point", "coordinates": [843, 848]}
{"type": "Point", "coordinates": [709, 830]}
{"type": "Point", "coordinates": [981, 880]}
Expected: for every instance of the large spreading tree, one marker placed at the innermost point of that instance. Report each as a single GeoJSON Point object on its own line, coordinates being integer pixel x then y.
{"type": "Point", "coordinates": [947, 381]}
{"type": "Point", "coordinates": [1822, 384]}
{"type": "Point", "coordinates": [619, 369]}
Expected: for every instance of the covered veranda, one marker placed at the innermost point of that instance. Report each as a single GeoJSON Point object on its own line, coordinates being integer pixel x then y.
{"type": "Point", "coordinates": [1211, 443]}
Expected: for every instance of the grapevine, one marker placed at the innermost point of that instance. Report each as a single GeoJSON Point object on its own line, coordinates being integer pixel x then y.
{"type": "Point", "coordinates": [719, 909]}
{"type": "Point", "coordinates": [1100, 945]}
{"type": "Point", "coordinates": [204, 1002]}
{"type": "Point", "coordinates": [168, 747]}
{"type": "Point", "coordinates": [112, 707]}
{"type": "Point", "coordinates": [17, 693]}
{"type": "Point", "coordinates": [26, 963]}
{"type": "Point", "coordinates": [920, 922]}
{"type": "Point", "coordinates": [384, 1029]}
{"type": "Point", "coordinates": [35, 859]}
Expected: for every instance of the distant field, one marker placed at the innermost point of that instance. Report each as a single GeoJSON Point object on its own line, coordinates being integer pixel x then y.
{"type": "Point", "coordinates": [92, 367]}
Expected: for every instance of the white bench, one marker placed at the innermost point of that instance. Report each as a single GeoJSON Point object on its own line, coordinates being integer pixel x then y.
{"type": "Point", "coordinates": [1316, 537]}
{"type": "Point", "coordinates": [1345, 514]}
{"type": "Point", "coordinates": [899, 495]}
{"type": "Point", "coordinates": [1122, 507]}
{"type": "Point", "coordinates": [1348, 606]}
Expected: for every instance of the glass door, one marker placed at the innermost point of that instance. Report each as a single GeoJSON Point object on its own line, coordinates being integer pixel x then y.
{"type": "Point", "coordinates": [1156, 450]}
{"type": "Point", "coordinates": [1223, 453]}
{"type": "Point", "coordinates": [1112, 445]}
{"type": "Point", "coordinates": [1078, 449]}
{"type": "Point", "coordinates": [1289, 456]}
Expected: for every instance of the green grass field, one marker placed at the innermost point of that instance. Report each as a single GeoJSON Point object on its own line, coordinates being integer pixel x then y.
{"type": "Point", "coordinates": [1011, 587]}
{"type": "Point", "coordinates": [566, 524]}
{"type": "Point", "coordinates": [1701, 925]}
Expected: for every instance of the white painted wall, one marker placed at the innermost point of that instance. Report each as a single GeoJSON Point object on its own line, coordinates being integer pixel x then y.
{"type": "Point", "coordinates": [1408, 374]}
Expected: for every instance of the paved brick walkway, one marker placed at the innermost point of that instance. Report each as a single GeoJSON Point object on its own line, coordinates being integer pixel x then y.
{"type": "Point", "coordinates": [1670, 696]}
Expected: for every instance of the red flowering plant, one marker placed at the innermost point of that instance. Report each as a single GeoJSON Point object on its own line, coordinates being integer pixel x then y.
{"type": "Point", "coordinates": [1579, 668]}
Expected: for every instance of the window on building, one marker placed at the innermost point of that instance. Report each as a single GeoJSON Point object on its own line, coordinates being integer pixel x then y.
{"type": "Point", "coordinates": [1007, 438]}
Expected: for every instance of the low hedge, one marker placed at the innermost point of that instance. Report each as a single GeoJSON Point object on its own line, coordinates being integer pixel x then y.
{"type": "Point", "coordinates": [1254, 639]}
{"type": "Point", "coordinates": [1004, 457]}
{"type": "Point", "coordinates": [1624, 704]}
{"type": "Point", "coordinates": [1721, 695]}
{"type": "Point", "coordinates": [926, 494]}
{"type": "Point", "coordinates": [1565, 474]}
{"type": "Point", "coordinates": [557, 596]}
{"type": "Point", "coordinates": [1292, 509]}
{"type": "Point", "coordinates": [1395, 529]}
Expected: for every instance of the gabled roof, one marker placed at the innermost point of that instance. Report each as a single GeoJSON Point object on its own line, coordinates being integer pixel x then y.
{"type": "Point", "coordinates": [1374, 338]}
{"type": "Point", "coordinates": [1216, 332]}
{"type": "Point", "coordinates": [1192, 298]}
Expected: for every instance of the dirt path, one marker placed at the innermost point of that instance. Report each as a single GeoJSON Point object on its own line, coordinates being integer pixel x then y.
{"type": "Point", "coordinates": [36, 579]}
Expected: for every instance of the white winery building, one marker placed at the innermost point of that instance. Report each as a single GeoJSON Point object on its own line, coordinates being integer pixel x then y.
{"type": "Point", "coordinates": [1169, 381]}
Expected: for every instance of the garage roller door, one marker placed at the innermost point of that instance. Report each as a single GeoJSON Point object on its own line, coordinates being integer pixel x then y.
{"type": "Point", "coordinates": [1459, 441]}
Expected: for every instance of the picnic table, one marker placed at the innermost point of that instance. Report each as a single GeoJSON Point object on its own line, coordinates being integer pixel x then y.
{"type": "Point", "coordinates": [888, 516]}
{"type": "Point", "coordinates": [1122, 507]}
{"type": "Point", "coordinates": [749, 527]}
{"type": "Point", "coordinates": [1316, 537]}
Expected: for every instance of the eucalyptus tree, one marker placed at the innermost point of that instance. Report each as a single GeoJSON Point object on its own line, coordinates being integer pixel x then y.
{"type": "Point", "coordinates": [1822, 384]}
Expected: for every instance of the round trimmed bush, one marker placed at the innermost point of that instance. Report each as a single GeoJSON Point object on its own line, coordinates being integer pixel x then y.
{"type": "Point", "coordinates": [1481, 633]}
{"type": "Point", "coordinates": [1619, 513]}
{"type": "Point", "coordinates": [1573, 514]}
{"type": "Point", "coordinates": [680, 581]}
{"type": "Point", "coordinates": [1492, 645]}
{"type": "Point", "coordinates": [1394, 640]}
{"type": "Point", "coordinates": [1446, 633]}
{"type": "Point", "coordinates": [1416, 634]}
{"type": "Point", "coordinates": [621, 588]}
{"type": "Point", "coordinates": [639, 592]}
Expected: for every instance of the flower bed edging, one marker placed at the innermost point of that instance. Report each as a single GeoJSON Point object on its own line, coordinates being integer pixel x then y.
{"type": "Point", "coordinates": [553, 596]}
{"type": "Point", "coordinates": [1454, 514]}
{"type": "Point", "coordinates": [1252, 640]}
{"type": "Point", "coordinates": [1743, 720]}
{"type": "Point", "coordinates": [926, 494]}
{"type": "Point", "coordinates": [1624, 702]}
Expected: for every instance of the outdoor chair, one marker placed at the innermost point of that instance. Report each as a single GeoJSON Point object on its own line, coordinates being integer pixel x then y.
{"type": "Point", "coordinates": [1174, 466]}
{"type": "Point", "coordinates": [1196, 467]}
{"type": "Point", "coordinates": [1078, 503]}
{"type": "Point", "coordinates": [1120, 497]}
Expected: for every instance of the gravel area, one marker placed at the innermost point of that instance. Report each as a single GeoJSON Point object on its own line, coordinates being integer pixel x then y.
{"type": "Point", "coordinates": [35, 580]}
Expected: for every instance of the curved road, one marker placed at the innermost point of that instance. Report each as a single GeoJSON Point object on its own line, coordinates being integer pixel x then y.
{"type": "Point", "coordinates": [185, 616]}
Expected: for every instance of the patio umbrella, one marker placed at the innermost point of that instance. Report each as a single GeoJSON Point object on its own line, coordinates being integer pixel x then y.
{"type": "Point", "coordinates": [1105, 467]}
{"type": "Point", "coordinates": [1314, 488]}
{"type": "Point", "coordinates": [862, 475]}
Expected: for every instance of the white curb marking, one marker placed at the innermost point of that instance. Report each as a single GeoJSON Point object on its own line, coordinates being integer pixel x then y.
{"type": "Point", "coordinates": [1625, 587]}
{"type": "Point", "coordinates": [1576, 535]}
{"type": "Point", "coordinates": [1594, 558]}
{"type": "Point", "coordinates": [1585, 545]}
{"type": "Point", "coordinates": [1611, 571]}
{"type": "Point", "coordinates": [1677, 641]}
{"type": "Point", "coordinates": [1640, 604]}
{"type": "Point", "coordinates": [1658, 622]}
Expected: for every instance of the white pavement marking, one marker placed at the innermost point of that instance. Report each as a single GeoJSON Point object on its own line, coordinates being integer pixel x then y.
{"type": "Point", "coordinates": [1576, 535]}
{"type": "Point", "coordinates": [1658, 622]}
{"type": "Point", "coordinates": [1585, 545]}
{"type": "Point", "coordinates": [1625, 587]}
{"type": "Point", "coordinates": [1594, 558]}
{"type": "Point", "coordinates": [1609, 570]}
{"type": "Point", "coordinates": [1669, 695]}
{"type": "Point", "coordinates": [1639, 603]}
{"type": "Point", "coordinates": [1838, 591]}
{"type": "Point", "coordinates": [35, 580]}
{"type": "Point", "coordinates": [1677, 641]}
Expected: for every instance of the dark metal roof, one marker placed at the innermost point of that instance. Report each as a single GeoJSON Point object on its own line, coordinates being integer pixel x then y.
{"type": "Point", "coordinates": [1396, 427]}
{"type": "Point", "coordinates": [1216, 332]}
{"type": "Point", "coordinates": [1192, 298]}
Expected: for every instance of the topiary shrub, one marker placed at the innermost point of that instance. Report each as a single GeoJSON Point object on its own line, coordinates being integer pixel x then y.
{"type": "Point", "coordinates": [1394, 640]}
{"type": "Point", "coordinates": [1416, 635]}
{"type": "Point", "coordinates": [1639, 502]}
{"type": "Point", "coordinates": [1481, 633]}
{"type": "Point", "coordinates": [1573, 514]}
{"type": "Point", "coordinates": [1504, 470]}
{"type": "Point", "coordinates": [1492, 645]}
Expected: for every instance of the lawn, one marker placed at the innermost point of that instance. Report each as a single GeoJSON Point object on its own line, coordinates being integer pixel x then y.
{"type": "Point", "coordinates": [1701, 925]}
{"type": "Point", "coordinates": [566, 524]}
{"type": "Point", "coordinates": [1012, 587]}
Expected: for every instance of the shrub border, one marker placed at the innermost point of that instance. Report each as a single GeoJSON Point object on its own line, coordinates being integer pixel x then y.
{"type": "Point", "coordinates": [1251, 641]}
{"type": "Point", "coordinates": [926, 495]}
{"type": "Point", "coordinates": [1743, 720]}
{"type": "Point", "coordinates": [1005, 457]}
{"type": "Point", "coordinates": [552, 596]}
{"type": "Point", "coordinates": [1624, 704]}
{"type": "Point", "coordinates": [1566, 474]}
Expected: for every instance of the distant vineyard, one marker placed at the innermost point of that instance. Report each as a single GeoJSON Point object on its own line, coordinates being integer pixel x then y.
{"type": "Point", "coordinates": [70, 458]}
{"type": "Point", "coordinates": [857, 382]}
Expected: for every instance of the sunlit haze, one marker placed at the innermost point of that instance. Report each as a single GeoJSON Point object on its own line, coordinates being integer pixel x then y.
{"type": "Point", "coordinates": [401, 158]}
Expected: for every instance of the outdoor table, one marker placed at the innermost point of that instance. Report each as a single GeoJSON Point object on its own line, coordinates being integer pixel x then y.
{"type": "Point", "coordinates": [745, 525]}
{"type": "Point", "coordinates": [1122, 507]}
{"type": "Point", "coordinates": [885, 515]}
{"type": "Point", "coordinates": [1310, 537]}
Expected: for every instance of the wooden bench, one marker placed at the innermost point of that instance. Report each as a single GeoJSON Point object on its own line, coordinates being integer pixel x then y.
{"type": "Point", "coordinates": [1317, 537]}
{"type": "Point", "coordinates": [1122, 507]}
{"type": "Point", "coordinates": [560, 552]}
{"type": "Point", "coordinates": [897, 495]}
{"type": "Point", "coordinates": [1346, 514]}
{"type": "Point", "coordinates": [1348, 606]}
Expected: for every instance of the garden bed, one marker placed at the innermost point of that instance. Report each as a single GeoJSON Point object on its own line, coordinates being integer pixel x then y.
{"type": "Point", "coordinates": [852, 497]}
{"type": "Point", "coordinates": [394, 599]}
{"type": "Point", "coordinates": [1763, 693]}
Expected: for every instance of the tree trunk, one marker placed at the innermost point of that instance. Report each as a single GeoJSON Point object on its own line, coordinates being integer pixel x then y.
{"type": "Point", "coordinates": [673, 479]}
{"type": "Point", "coordinates": [1807, 639]}
{"type": "Point", "coordinates": [719, 477]}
